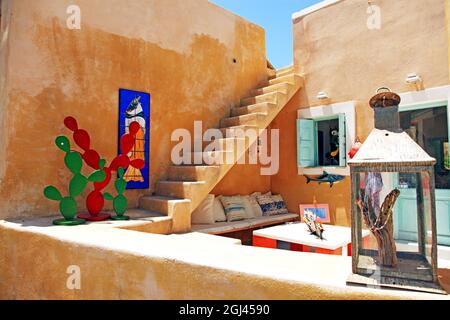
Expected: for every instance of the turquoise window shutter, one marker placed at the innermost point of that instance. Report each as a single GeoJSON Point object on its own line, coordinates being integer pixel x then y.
{"type": "Point", "coordinates": [305, 143]}
{"type": "Point", "coordinates": [342, 141]}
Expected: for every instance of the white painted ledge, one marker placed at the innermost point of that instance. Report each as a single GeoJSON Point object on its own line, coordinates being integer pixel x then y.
{"type": "Point", "coordinates": [209, 261]}
{"type": "Point", "coordinates": [413, 98]}
{"type": "Point", "coordinates": [314, 8]}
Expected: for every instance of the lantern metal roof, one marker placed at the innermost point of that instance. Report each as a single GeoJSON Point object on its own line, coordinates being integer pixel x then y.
{"type": "Point", "coordinates": [388, 148]}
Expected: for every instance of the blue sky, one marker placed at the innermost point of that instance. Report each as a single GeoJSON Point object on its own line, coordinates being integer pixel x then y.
{"type": "Point", "coordinates": [275, 16]}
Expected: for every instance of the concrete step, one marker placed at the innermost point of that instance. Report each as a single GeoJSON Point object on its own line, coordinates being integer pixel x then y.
{"type": "Point", "coordinates": [194, 191]}
{"type": "Point", "coordinates": [290, 78]}
{"type": "Point", "coordinates": [281, 87]}
{"type": "Point", "coordinates": [246, 119]}
{"type": "Point", "coordinates": [178, 189]}
{"type": "Point", "coordinates": [223, 144]}
{"type": "Point", "coordinates": [193, 173]}
{"type": "Point", "coordinates": [285, 71]}
{"type": "Point", "coordinates": [265, 107]}
{"type": "Point", "coordinates": [211, 158]}
{"type": "Point", "coordinates": [287, 68]}
{"type": "Point", "coordinates": [271, 73]}
{"type": "Point", "coordinates": [161, 204]}
{"type": "Point", "coordinates": [148, 222]}
{"type": "Point", "coordinates": [239, 131]}
{"type": "Point", "coordinates": [178, 209]}
{"type": "Point", "coordinates": [272, 97]}
{"type": "Point", "coordinates": [281, 72]}
{"type": "Point", "coordinates": [208, 158]}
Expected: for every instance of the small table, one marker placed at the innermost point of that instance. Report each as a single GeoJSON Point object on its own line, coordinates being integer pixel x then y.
{"type": "Point", "coordinates": [296, 237]}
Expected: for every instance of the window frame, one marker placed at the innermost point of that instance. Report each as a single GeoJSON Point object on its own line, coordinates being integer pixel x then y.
{"type": "Point", "coordinates": [329, 112]}
{"type": "Point", "coordinates": [315, 139]}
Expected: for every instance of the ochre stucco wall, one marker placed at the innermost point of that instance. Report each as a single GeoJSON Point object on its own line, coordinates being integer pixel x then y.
{"type": "Point", "coordinates": [338, 54]}
{"type": "Point", "coordinates": [113, 264]}
{"type": "Point", "coordinates": [180, 51]}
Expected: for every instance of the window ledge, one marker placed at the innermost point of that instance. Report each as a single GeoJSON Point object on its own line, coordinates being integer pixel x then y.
{"type": "Point", "coordinates": [342, 171]}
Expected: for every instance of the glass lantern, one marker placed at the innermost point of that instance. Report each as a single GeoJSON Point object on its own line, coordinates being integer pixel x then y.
{"type": "Point", "coordinates": [389, 166]}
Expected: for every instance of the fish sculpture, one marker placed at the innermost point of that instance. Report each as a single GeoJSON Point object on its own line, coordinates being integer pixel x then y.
{"type": "Point", "coordinates": [332, 179]}
{"type": "Point", "coordinates": [313, 223]}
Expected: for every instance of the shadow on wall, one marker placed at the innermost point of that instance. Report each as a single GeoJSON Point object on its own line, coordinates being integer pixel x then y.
{"type": "Point", "coordinates": [82, 72]}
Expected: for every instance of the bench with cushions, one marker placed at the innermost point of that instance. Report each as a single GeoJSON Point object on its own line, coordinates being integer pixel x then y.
{"type": "Point", "coordinates": [243, 230]}
{"type": "Point", "coordinates": [238, 216]}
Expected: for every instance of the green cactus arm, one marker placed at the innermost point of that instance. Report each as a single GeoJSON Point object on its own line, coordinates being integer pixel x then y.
{"type": "Point", "coordinates": [108, 196]}
{"type": "Point", "coordinates": [74, 162]}
{"type": "Point", "coordinates": [63, 143]}
{"type": "Point", "coordinates": [68, 208]}
{"type": "Point", "coordinates": [102, 164]}
{"type": "Point", "coordinates": [50, 192]}
{"type": "Point", "coordinates": [77, 185]}
{"type": "Point", "coordinates": [97, 176]}
{"type": "Point", "coordinates": [121, 172]}
{"type": "Point", "coordinates": [120, 185]}
{"type": "Point", "coordinates": [120, 205]}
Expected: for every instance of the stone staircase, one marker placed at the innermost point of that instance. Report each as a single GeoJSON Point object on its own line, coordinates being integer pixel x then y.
{"type": "Point", "coordinates": [188, 185]}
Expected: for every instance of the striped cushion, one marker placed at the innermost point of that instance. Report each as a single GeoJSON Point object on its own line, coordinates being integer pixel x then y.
{"type": "Point", "coordinates": [234, 208]}
{"type": "Point", "coordinates": [280, 204]}
{"type": "Point", "coordinates": [272, 205]}
{"type": "Point", "coordinates": [267, 205]}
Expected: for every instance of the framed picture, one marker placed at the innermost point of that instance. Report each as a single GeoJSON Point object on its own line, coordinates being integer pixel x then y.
{"type": "Point", "coordinates": [322, 211]}
{"type": "Point", "coordinates": [134, 106]}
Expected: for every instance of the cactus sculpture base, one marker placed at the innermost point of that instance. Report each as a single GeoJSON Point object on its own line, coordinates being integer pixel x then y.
{"type": "Point", "coordinates": [99, 217]}
{"type": "Point", "coordinates": [64, 222]}
{"type": "Point", "coordinates": [120, 218]}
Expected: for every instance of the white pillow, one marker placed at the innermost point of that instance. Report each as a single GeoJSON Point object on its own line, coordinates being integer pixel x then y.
{"type": "Point", "coordinates": [248, 207]}
{"type": "Point", "coordinates": [257, 211]}
{"type": "Point", "coordinates": [234, 208]}
{"type": "Point", "coordinates": [219, 212]}
{"type": "Point", "coordinates": [204, 214]}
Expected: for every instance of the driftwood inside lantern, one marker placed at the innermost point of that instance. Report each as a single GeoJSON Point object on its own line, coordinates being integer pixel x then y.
{"type": "Point", "coordinates": [381, 223]}
{"type": "Point", "coordinates": [383, 259]}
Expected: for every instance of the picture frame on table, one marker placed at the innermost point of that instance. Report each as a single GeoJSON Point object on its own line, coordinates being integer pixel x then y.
{"type": "Point", "coordinates": [322, 211]}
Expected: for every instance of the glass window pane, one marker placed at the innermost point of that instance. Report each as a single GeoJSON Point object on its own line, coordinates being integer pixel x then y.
{"type": "Point", "coordinates": [429, 128]}
{"type": "Point", "coordinates": [328, 142]}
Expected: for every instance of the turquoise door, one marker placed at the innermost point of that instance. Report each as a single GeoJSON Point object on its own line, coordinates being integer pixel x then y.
{"type": "Point", "coordinates": [428, 126]}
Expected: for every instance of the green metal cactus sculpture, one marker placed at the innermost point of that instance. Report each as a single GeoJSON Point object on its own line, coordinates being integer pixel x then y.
{"type": "Point", "coordinates": [120, 203]}
{"type": "Point", "coordinates": [78, 183]}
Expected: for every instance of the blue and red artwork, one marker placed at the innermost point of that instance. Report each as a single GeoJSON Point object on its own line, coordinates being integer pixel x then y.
{"type": "Point", "coordinates": [134, 108]}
